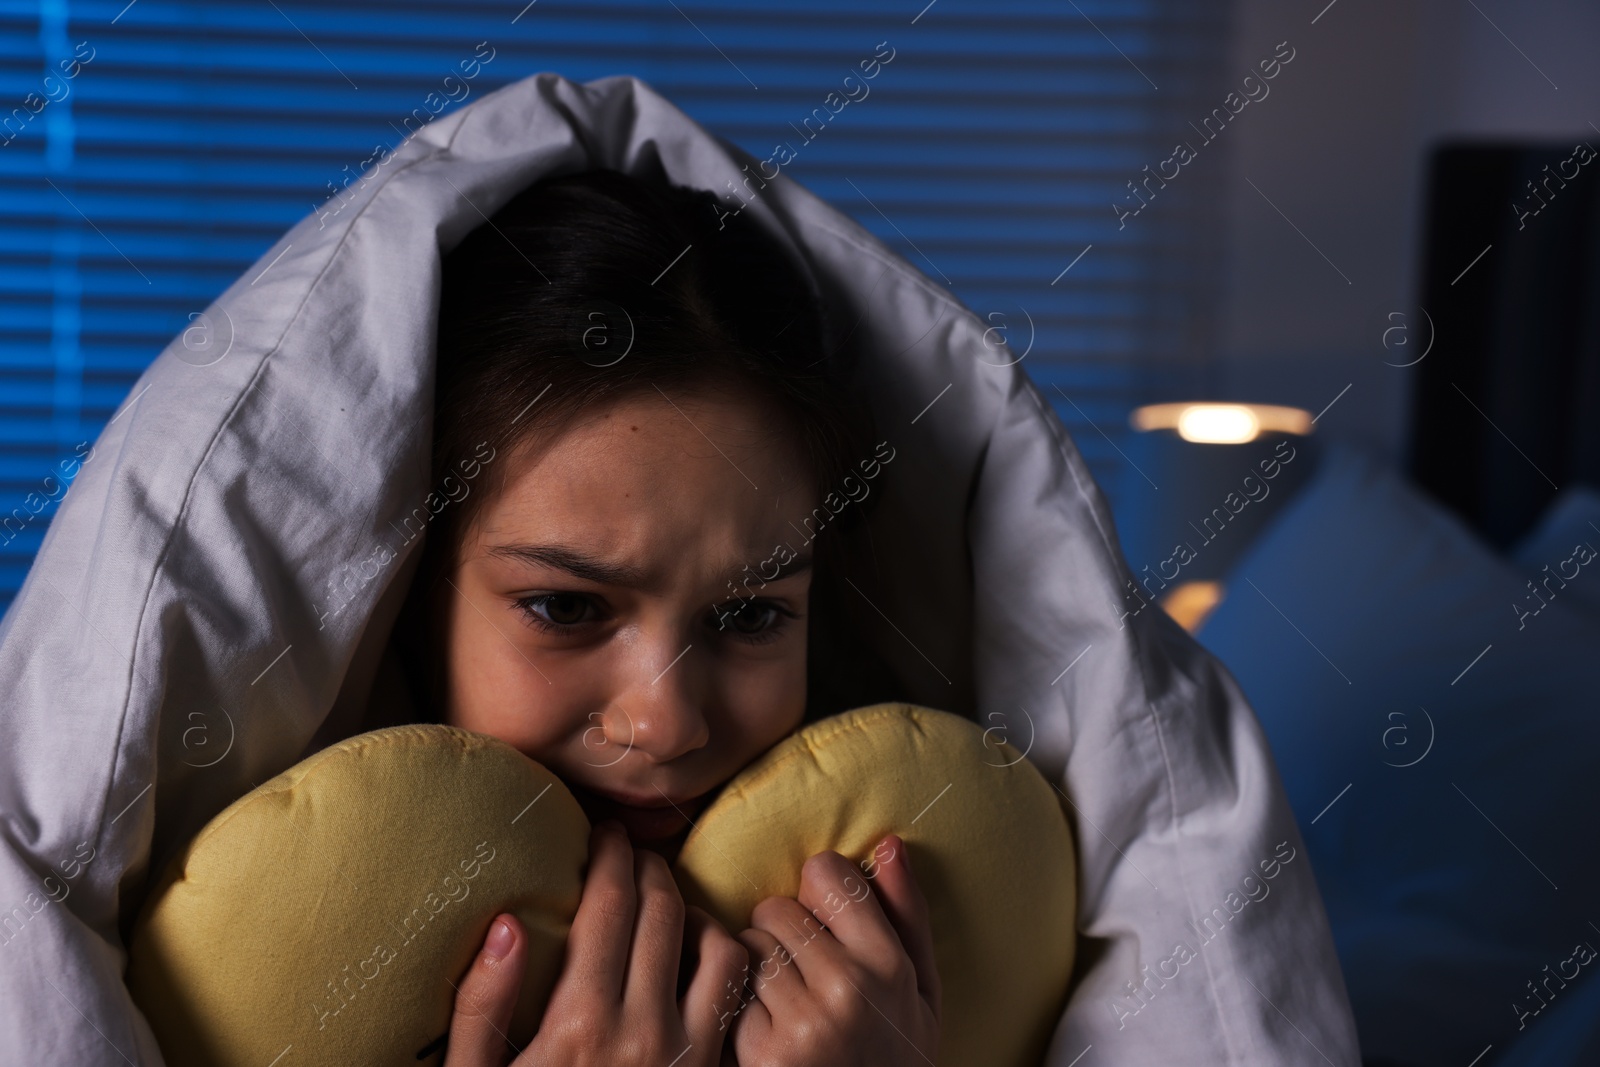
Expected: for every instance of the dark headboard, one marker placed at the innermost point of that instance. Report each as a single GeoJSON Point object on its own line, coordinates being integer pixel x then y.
{"type": "Point", "coordinates": [1506, 406]}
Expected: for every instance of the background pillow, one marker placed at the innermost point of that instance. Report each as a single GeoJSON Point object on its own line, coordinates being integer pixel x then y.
{"type": "Point", "coordinates": [1573, 518]}
{"type": "Point", "coordinates": [990, 848]}
{"type": "Point", "coordinates": [1438, 751]}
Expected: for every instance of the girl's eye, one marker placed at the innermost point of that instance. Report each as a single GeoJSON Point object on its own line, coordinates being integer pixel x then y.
{"type": "Point", "coordinates": [557, 611]}
{"type": "Point", "coordinates": [755, 621]}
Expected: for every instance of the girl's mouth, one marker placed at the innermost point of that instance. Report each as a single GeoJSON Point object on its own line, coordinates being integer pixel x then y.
{"type": "Point", "coordinates": [644, 821]}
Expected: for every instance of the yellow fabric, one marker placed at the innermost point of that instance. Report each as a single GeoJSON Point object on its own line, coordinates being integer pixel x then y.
{"type": "Point", "coordinates": [318, 913]}
{"type": "Point", "coordinates": [323, 911]}
{"type": "Point", "coordinates": [989, 844]}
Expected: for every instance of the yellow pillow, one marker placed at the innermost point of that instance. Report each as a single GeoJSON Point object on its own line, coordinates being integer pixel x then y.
{"type": "Point", "coordinates": [326, 910]}
{"type": "Point", "coordinates": [318, 913]}
{"type": "Point", "coordinates": [989, 844]}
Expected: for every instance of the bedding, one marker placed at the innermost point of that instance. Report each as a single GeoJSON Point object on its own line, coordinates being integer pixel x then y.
{"type": "Point", "coordinates": [346, 886]}
{"type": "Point", "coordinates": [215, 598]}
{"type": "Point", "coordinates": [1555, 555]}
{"type": "Point", "coordinates": [1436, 738]}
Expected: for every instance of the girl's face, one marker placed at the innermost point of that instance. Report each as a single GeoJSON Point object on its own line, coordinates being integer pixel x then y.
{"type": "Point", "coordinates": [607, 613]}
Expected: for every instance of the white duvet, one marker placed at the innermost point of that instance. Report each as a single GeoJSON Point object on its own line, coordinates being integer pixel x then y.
{"type": "Point", "coordinates": [192, 627]}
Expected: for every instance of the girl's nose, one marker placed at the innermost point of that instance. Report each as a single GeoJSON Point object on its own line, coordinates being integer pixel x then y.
{"type": "Point", "coordinates": [662, 710]}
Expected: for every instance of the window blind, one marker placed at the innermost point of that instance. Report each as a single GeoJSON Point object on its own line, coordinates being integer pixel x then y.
{"type": "Point", "coordinates": [151, 150]}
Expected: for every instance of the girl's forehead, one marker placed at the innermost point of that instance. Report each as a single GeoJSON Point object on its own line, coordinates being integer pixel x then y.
{"type": "Point", "coordinates": [652, 482]}
{"type": "Point", "coordinates": [646, 449]}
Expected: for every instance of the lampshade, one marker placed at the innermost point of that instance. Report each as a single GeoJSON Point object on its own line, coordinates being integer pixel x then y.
{"type": "Point", "coordinates": [1203, 479]}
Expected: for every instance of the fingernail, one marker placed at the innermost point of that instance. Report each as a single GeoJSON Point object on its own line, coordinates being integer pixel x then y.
{"type": "Point", "coordinates": [500, 940]}
{"type": "Point", "coordinates": [900, 852]}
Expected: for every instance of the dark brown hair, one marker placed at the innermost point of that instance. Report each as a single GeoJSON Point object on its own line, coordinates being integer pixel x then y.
{"type": "Point", "coordinates": [595, 286]}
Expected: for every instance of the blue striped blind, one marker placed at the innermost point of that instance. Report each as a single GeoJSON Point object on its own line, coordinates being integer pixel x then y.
{"type": "Point", "coordinates": [151, 150]}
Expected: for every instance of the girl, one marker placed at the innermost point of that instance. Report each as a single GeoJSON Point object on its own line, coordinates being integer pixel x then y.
{"type": "Point", "coordinates": [639, 389]}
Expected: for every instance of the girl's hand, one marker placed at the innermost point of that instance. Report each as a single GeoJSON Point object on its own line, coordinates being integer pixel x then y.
{"type": "Point", "coordinates": [616, 1000]}
{"type": "Point", "coordinates": [862, 989]}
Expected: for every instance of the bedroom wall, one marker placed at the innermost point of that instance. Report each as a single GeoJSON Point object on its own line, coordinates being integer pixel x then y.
{"type": "Point", "coordinates": [1340, 152]}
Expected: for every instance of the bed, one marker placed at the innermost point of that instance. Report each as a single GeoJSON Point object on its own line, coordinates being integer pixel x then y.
{"type": "Point", "coordinates": [1419, 644]}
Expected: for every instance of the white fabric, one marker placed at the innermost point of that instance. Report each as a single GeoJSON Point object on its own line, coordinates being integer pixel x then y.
{"type": "Point", "coordinates": [191, 620]}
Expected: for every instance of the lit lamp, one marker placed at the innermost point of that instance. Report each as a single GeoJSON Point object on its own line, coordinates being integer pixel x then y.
{"type": "Point", "coordinates": [1205, 478]}
{"type": "Point", "coordinates": [1222, 424]}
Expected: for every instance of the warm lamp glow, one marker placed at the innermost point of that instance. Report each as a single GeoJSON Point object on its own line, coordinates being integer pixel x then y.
{"type": "Point", "coordinates": [1222, 424]}
{"type": "Point", "coordinates": [1190, 602]}
{"type": "Point", "coordinates": [1230, 424]}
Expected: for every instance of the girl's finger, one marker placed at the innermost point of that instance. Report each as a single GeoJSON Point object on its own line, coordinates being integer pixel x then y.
{"type": "Point", "coordinates": [750, 1031]}
{"type": "Point", "coordinates": [835, 892]}
{"type": "Point", "coordinates": [602, 930]}
{"type": "Point", "coordinates": [905, 905]}
{"type": "Point", "coordinates": [711, 1005]}
{"type": "Point", "coordinates": [486, 997]}
{"type": "Point", "coordinates": [782, 942]}
{"type": "Point", "coordinates": [657, 937]}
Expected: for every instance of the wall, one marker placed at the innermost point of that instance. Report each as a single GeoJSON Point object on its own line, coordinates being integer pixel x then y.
{"type": "Point", "coordinates": [1340, 149]}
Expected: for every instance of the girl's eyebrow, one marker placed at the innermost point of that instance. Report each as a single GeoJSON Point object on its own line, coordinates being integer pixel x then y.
{"type": "Point", "coordinates": [574, 561]}
{"type": "Point", "coordinates": [796, 564]}
{"type": "Point", "coordinates": [580, 564]}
